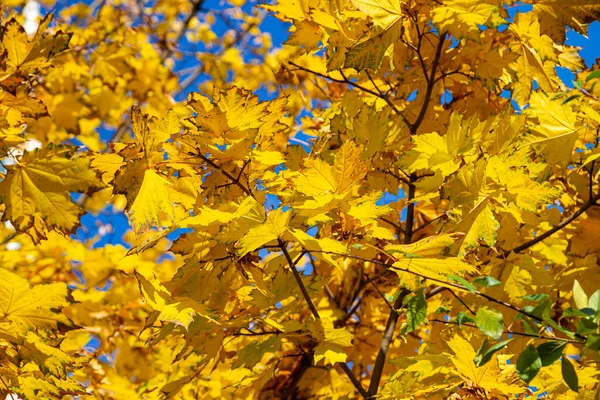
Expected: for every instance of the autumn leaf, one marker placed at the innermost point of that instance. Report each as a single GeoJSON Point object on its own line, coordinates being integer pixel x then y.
{"type": "Point", "coordinates": [331, 342]}
{"type": "Point", "coordinates": [272, 229]}
{"type": "Point", "coordinates": [26, 308]}
{"type": "Point", "coordinates": [152, 202]}
{"type": "Point", "coordinates": [38, 186]}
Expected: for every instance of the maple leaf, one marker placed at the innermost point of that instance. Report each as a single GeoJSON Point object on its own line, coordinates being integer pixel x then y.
{"type": "Point", "coordinates": [36, 190]}
{"type": "Point", "coordinates": [152, 202]}
{"type": "Point", "coordinates": [24, 55]}
{"type": "Point", "coordinates": [383, 12]}
{"type": "Point", "coordinates": [331, 341]}
{"type": "Point", "coordinates": [179, 310]}
{"type": "Point", "coordinates": [462, 17]}
{"type": "Point", "coordinates": [489, 376]}
{"type": "Point", "coordinates": [26, 308]}
{"type": "Point", "coordinates": [272, 229]}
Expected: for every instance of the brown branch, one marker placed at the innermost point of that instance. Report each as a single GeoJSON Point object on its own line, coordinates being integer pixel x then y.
{"type": "Point", "coordinates": [298, 278]}
{"type": "Point", "coordinates": [440, 281]}
{"type": "Point", "coordinates": [314, 311]}
{"type": "Point", "coordinates": [591, 202]}
{"type": "Point", "coordinates": [227, 174]}
{"type": "Point", "coordinates": [390, 327]}
{"type": "Point", "coordinates": [390, 306]}
{"type": "Point", "coordinates": [430, 85]}
{"type": "Point", "coordinates": [196, 6]}
{"type": "Point", "coordinates": [353, 379]}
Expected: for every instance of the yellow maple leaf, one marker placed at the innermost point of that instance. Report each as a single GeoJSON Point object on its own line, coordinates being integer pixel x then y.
{"type": "Point", "coordinates": [179, 311]}
{"type": "Point", "coordinates": [24, 308]}
{"type": "Point", "coordinates": [488, 376]}
{"type": "Point", "coordinates": [557, 130]}
{"type": "Point", "coordinates": [383, 12]}
{"type": "Point", "coordinates": [331, 341]}
{"type": "Point", "coordinates": [152, 202]}
{"type": "Point", "coordinates": [275, 226]}
{"type": "Point", "coordinates": [462, 17]}
{"type": "Point", "coordinates": [25, 55]}
{"type": "Point", "coordinates": [39, 185]}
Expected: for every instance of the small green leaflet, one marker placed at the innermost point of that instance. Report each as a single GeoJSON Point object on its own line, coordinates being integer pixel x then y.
{"type": "Point", "coordinates": [569, 374]}
{"type": "Point", "coordinates": [489, 322]}
{"type": "Point", "coordinates": [487, 281]}
{"type": "Point", "coordinates": [485, 353]}
{"type": "Point", "coordinates": [528, 364]}
{"type": "Point", "coordinates": [416, 312]}
{"type": "Point", "coordinates": [551, 351]}
{"type": "Point", "coordinates": [471, 288]}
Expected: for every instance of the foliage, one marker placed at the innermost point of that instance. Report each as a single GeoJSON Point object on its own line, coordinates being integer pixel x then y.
{"type": "Point", "coordinates": [400, 201]}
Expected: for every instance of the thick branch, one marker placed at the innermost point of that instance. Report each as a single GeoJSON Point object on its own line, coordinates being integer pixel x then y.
{"type": "Point", "coordinates": [390, 328]}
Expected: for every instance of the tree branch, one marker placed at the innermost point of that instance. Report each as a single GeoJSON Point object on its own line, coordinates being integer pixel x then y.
{"type": "Point", "coordinates": [430, 85]}
{"type": "Point", "coordinates": [347, 81]}
{"type": "Point", "coordinates": [388, 334]}
{"type": "Point", "coordinates": [314, 311]}
{"type": "Point", "coordinates": [592, 201]}
{"type": "Point", "coordinates": [532, 335]}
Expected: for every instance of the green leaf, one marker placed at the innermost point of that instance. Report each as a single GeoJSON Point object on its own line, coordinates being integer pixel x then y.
{"type": "Point", "coordinates": [584, 312]}
{"type": "Point", "coordinates": [593, 342]}
{"type": "Point", "coordinates": [442, 310]}
{"type": "Point", "coordinates": [568, 99]}
{"type": "Point", "coordinates": [463, 318]}
{"type": "Point", "coordinates": [551, 351]}
{"type": "Point", "coordinates": [489, 322]}
{"type": "Point", "coordinates": [535, 296]}
{"type": "Point", "coordinates": [585, 326]}
{"type": "Point", "coordinates": [528, 364]}
{"type": "Point", "coordinates": [485, 353]}
{"type": "Point", "coordinates": [416, 311]}
{"type": "Point", "coordinates": [487, 281]}
{"type": "Point", "coordinates": [581, 299]}
{"type": "Point", "coordinates": [471, 288]}
{"type": "Point", "coordinates": [569, 374]}
{"type": "Point", "coordinates": [593, 75]}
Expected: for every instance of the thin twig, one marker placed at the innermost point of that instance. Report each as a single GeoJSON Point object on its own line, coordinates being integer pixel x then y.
{"type": "Point", "coordinates": [532, 335]}
{"type": "Point", "coordinates": [356, 85]}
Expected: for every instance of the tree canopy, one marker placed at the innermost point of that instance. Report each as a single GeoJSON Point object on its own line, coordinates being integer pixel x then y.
{"type": "Point", "coordinates": [298, 199]}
